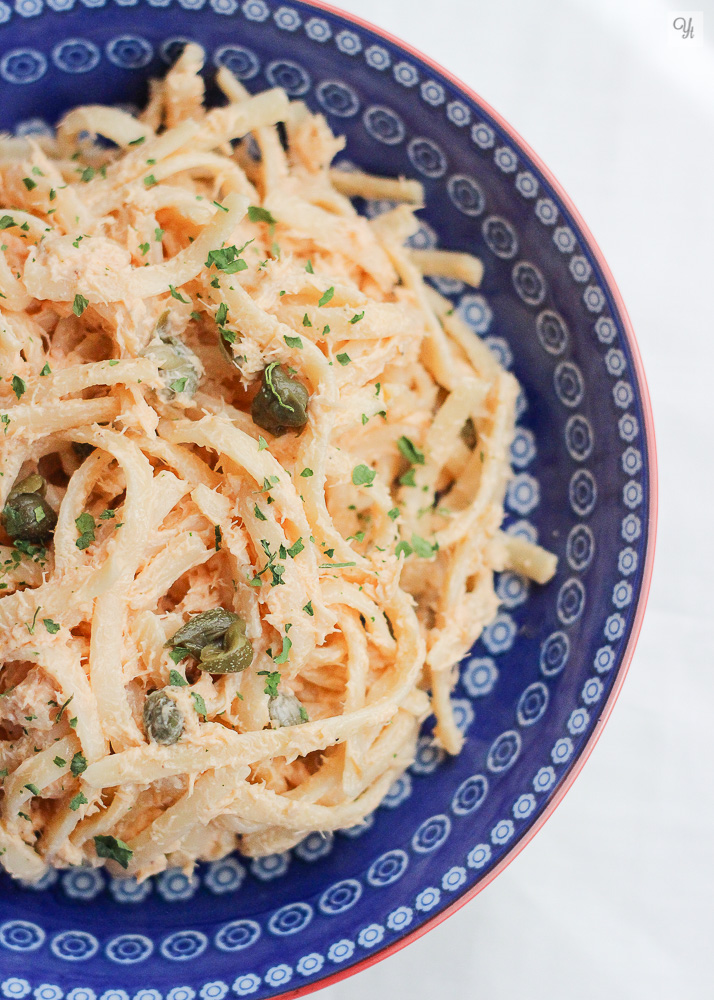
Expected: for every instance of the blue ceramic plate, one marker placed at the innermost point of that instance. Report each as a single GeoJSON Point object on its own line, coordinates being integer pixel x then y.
{"type": "Point", "coordinates": [537, 687]}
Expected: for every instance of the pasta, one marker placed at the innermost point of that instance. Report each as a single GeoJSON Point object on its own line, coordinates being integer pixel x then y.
{"type": "Point", "coordinates": [252, 483]}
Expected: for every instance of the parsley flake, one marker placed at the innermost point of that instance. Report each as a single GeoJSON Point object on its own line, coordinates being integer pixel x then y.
{"type": "Point", "coordinates": [79, 304]}
{"type": "Point", "coordinates": [177, 295]}
{"type": "Point", "coordinates": [258, 214]}
{"type": "Point", "coordinates": [409, 450]}
{"type": "Point", "coordinates": [362, 475]}
{"type": "Point", "coordinates": [79, 764]}
{"type": "Point", "coordinates": [114, 849]}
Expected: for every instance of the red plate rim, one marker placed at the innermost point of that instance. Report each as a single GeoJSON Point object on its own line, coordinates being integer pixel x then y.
{"type": "Point", "coordinates": [579, 763]}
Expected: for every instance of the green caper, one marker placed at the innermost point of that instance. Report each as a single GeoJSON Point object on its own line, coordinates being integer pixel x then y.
{"type": "Point", "coordinates": [468, 434]}
{"type": "Point", "coordinates": [281, 402]}
{"type": "Point", "coordinates": [204, 629]}
{"type": "Point", "coordinates": [286, 710]}
{"type": "Point", "coordinates": [28, 516]}
{"type": "Point", "coordinates": [163, 719]}
{"type": "Point", "coordinates": [179, 368]}
{"type": "Point", "coordinates": [231, 656]}
{"type": "Point", "coordinates": [34, 483]}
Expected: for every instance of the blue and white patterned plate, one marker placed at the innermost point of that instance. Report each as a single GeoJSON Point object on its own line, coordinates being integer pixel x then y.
{"type": "Point", "coordinates": [538, 686]}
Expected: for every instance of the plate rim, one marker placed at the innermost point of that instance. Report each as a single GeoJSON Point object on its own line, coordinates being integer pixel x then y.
{"type": "Point", "coordinates": [569, 777]}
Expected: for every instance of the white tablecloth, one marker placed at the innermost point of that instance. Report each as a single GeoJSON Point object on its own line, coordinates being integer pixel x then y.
{"type": "Point", "coordinates": [615, 897]}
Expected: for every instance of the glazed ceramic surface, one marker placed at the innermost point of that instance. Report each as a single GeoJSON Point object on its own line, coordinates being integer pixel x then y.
{"type": "Point", "coordinates": [544, 671]}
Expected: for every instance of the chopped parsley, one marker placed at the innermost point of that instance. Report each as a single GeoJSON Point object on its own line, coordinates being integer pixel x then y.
{"type": "Point", "coordinates": [282, 656]}
{"type": "Point", "coordinates": [176, 680]}
{"type": "Point", "coordinates": [80, 799]}
{"type": "Point", "coordinates": [79, 304]}
{"type": "Point", "coordinates": [306, 473]}
{"type": "Point", "coordinates": [158, 234]}
{"type": "Point", "coordinates": [272, 679]}
{"type": "Point", "coordinates": [362, 475]}
{"type": "Point", "coordinates": [52, 627]}
{"type": "Point", "coordinates": [150, 180]}
{"type": "Point", "coordinates": [177, 295]}
{"type": "Point", "coordinates": [221, 314]}
{"type": "Point", "coordinates": [29, 183]}
{"type": "Point", "coordinates": [258, 214]}
{"type": "Point", "coordinates": [393, 513]}
{"type": "Point", "coordinates": [408, 478]}
{"type": "Point", "coordinates": [19, 386]}
{"type": "Point", "coordinates": [138, 142]}
{"type": "Point", "coordinates": [144, 247]}
{"type": "Point", "coordinates": [85, 527]}
{"type": "Point", "coordinates": [78, 765]}
{"type": "Point", "coordinates": [357, 317]}
{"type": "Point", "coordinates": [295, 548]}
{"type": "Point", "coordinates": [62, 708]}
{"type": "Point", "coordinates": [46, 370]}
{"type": "Point", "coordinates": [32, 788]}
{"type": "Point", "coordinates": [308, 267]}
{"type": "Point", "coordinates": [227, 259]}
{"type": "Point", "coordinates": [344, 359]}
{"type": "Point", "coordinates": [60, 762]}
{"type": "Point", "coordinates": [409, 450]}
{"type": "Point", "coordinates": [7, 222]}
{"type": "Point", "coordinates": [306, 320]}
{"type": "Point", "coordinates": [308, 609]}
{"type": "Point", "coordinates": [293, 342]}
{"type": "Point", "coordinates": [87, 174]}
{"type": "Point", "coordinates": [326, 296]}
{"type": "Point", "coordinates": [262, 443]}
{"type": "Point", "coordinates": [259, 513]}
{"type": "Point", "coordinates": [114, 849]}
{"type": "Point", "coordinates": [200, 705]}
{"type": "Point", "coordinates": [423, 548]}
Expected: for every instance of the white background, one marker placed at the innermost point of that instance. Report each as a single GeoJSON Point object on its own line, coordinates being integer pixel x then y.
{"type": "Point", "coordinates": [614, 899]}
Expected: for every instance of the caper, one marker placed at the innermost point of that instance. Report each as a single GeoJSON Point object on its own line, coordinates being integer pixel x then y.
{"type": "Point", "coordinates": [468, 434]}
{"type": "Point", "coordinates": [163, 719]}
{"type": "Point", "coordinates": [28, 516]}
{"type": "Point", "coordinates": [231, 656]}
{"type": "Point", "coordinates": [34, 483]}
{"type": "Point", "coordinates": [179, 368]}
{"type": "Point", "coordinates": [281, 402]}
{"type": "Point", "coordinates": [203, 629]}
{"type": "Point", "coordinates": [286, 710]}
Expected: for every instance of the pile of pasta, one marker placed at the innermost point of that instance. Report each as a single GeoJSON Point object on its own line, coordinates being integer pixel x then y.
{"type": "Point", "coordinates": [157, 273]}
